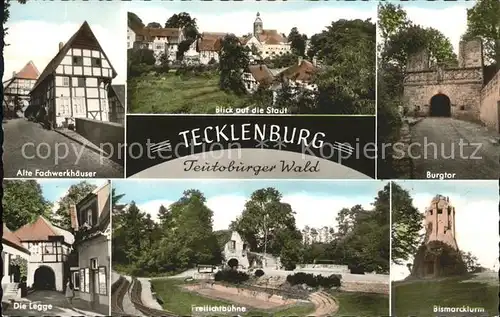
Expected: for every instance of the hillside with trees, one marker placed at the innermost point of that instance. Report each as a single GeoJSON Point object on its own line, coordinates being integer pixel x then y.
{"type": "Point", "coordinates": [184, 235]}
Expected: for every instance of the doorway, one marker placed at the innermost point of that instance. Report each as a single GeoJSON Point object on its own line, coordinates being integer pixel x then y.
{"type": "Point", "coordinates": [440, 106]}
{"type": "Point", "coordinates": [44, 279]}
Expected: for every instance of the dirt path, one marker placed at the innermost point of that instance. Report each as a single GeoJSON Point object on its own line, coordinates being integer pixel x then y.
{"type": "Point", "coordinates": [324, 303]}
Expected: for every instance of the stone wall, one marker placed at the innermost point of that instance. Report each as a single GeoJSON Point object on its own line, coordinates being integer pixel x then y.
{"type": "Point", "coordinates": [108, 136]}
{"type": "Point", "coordinates": [333, 267]}
{"type": "Point", "coordinates": [490, 103]}
{"type": "Point", "coordinates": [464, 97]}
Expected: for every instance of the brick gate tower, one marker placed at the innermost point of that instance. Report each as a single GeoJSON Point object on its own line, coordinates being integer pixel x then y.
{"type": "Point", "coordinates": [440, 222]}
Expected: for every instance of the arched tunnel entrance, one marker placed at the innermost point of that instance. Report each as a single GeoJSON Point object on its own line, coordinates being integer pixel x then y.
{"type": "Point", "coordinates": [440, 106]}
{"type": "Point", "coordinates": [233, 263]}
{"type": "Point", "coordinates": [44, 279]}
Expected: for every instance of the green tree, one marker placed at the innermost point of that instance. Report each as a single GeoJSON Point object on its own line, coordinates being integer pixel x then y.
{"type": "Point", "coordinates": [297, 42]}
{"type": "Point", "coordinates": [23, 202]}
{"type": "Point", "coordinates": [483, 21]}
{"type": "Point", "coordinates": [115, 198]}
{"type": "Point", "coordinates": [74, 195]}
{"type": "Point", "coordinates": [189, 239]}
{"type": "Point", "coordinates": [129, 228]}
{"type": "Point", "coordinates": [134, 19]}
{"type": "Point", "coordinates": [267, 223]}
{"type": "Point", "coordinates": [290, 255]}
{"type": "Point", "coordinates": [154, 25]}
{"type": "Point", "coordinates": [364, 240]}
{"type": "Point", "coordinates": [406, 225]}
{"type": "Point", "coordinates": [189, 27]}
{"type": "Point", "coordinates": [391, 19]}
{"type": "Point", "coordinates": [233, 60]}
{"type": "Point", "coordinates": [140, 56]}
{"type": "Point", "coordinates": [471, 262]}
{"type": "Point", "coordinates": [346, 83]}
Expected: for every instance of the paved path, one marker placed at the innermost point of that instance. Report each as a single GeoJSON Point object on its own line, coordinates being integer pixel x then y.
{"type": "Point", "coordinates": [56, 152]}
{"type": "Point", "coordinates": [147, 297]}
{"type": "Point", "coordinates": [128, 306]}
{"type": "Point", "coordinates": [60, 306]}
{"type": "Point", "coordinates": [447, 133]}
{"type": "Point", "coordinates": [324, 304]}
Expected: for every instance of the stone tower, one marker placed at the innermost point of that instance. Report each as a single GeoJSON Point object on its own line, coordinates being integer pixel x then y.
{"type": "Point", "coordinates": [257, 25]}
{"type": "Point", "coordinates": [440, 222]}
{"type": "Point", "coordinates": [470, 54]}
{"type": "Point", "coordinates": [438, 256]}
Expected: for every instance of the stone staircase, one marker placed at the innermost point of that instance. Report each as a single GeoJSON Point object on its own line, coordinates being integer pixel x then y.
{"type": "Point", "coordinates": [11, 291]}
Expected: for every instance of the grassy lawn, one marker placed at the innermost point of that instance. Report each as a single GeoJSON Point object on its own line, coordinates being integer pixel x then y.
{"type": "Point", "coordinates": [362, 304]}
{"type": "Point", "coordinates": [171, 93]}
{"type": "Point", "coordinates": [180, 302]}
{"type": "Point", "coordinates": [419, 297]}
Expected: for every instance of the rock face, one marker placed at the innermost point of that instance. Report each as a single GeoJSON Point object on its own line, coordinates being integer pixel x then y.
{"type": "Point", "coordinates": [439, 255]}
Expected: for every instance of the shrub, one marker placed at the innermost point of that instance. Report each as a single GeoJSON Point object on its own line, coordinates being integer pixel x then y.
{"type": "Point", "coordinates": [231, 276]}
{"type": "Point", "coordinates": [259, 273]}
{"type": "Point", "coordinates": [311, 280]}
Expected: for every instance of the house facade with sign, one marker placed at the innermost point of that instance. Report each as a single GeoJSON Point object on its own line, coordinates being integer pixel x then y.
{"type": "Point", "coordinates": [90, 219]}
{"type": "Point", "coordinates": [75, 83]}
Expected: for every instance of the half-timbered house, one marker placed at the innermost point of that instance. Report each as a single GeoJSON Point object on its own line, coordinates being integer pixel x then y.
{"type": "Point", "coordinates": [49, 247]}
{"type": "Point", "coordinates": [116, 97]}
{"type": "Point", "coordinates": [90, 219]}
{"type": "Point", "coordinates": [17, 89]}
{"type": "Point", "coordinates": [75, 82]}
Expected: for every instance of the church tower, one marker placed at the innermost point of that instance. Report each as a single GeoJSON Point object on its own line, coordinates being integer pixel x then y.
{"type": "Point", "coordinates": [440, 222]}
{"type": "Point", "coordinates": [257, 25]}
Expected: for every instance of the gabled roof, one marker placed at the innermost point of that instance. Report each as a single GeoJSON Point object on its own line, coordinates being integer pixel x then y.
{"type": "Point", "coordinates": [40, 230]}
{"type": "Point", "coordinates": [29, 71]}
{"type": "Point", "coordinates": [119, 92]}
{"type": "Point", "coordinates": [271, 37]}
{"type": "Point", "coordinates": [83, 38]}
{"type": "Point", "coordinates": [14, 240]}
{"type": "Point", "coordinates": [210, 41]}
{"type": "Point", "coordinates": [303, 72]}
{"type": "Point", "coordinates": [261, 73]}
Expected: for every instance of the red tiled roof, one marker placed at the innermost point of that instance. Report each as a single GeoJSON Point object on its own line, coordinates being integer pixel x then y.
{"type": "Point", "coordinates": [12, 238]}
{"type": "Point", "coordinates": [83, 38]}
{"type": "Point", "coordinates": [163, 32]}
{"type": "Point", "coordinates": [271, 37]}
{"type": "Point", "coordinates": [29, 71]}
{"type": "Point", "coordinates": [210, 41]}
{"type": "Point", "coordinates": [261, 73]}
{"type": "Point", "coordinates": [40, 230]}
{"type": "Point", "coordinates": [303, 72]}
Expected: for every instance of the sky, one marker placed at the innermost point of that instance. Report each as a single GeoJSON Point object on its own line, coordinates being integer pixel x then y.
{"type": "Point", "coordinates": [316, 203]}
{"type": "Point", "coordinates": [37, 27]}
{"type": "Point", "coordinates": [238, 16]}
{"type": "Point", "coordinates": [449, 17]}
{"type": "Point", "coordinates": [55, 189]}
{"type": "Point", "coordinates": [476, 218]}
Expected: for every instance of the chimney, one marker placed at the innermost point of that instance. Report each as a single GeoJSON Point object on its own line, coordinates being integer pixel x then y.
{"type": "Point", "coordinates": [13, 74]}
{"type": "Point", "coordinates": [61, 44]}
{"type": "Point", "coordinates": [73, 217]}
{"type": "Point", "coordinates": [315, 61]}
{"type": "Point", "coordinates": [300, 60]}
